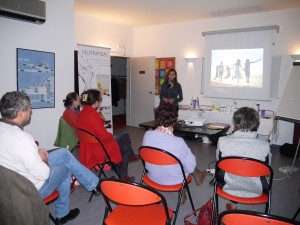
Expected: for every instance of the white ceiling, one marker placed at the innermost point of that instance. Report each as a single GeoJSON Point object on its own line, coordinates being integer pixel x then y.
{"type": "Point", "coordinates": [137, 13]}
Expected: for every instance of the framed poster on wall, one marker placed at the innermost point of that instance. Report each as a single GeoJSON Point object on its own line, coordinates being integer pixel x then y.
{"type": "Point", "coordinates": [36, 77]}
{"type": "Point", "coordinates": [163, 65]}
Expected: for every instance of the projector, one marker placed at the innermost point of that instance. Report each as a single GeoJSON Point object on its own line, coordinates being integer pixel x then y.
{"type": "Point", "coordinates": [195, 121]}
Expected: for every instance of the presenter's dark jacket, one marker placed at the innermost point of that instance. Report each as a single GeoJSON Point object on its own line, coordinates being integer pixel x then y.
{"type": "Point", "coordinates": [174, 92]}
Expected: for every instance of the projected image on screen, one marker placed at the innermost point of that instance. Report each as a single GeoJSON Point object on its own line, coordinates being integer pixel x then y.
{"type": "Point", "coordinates": [237, 68]}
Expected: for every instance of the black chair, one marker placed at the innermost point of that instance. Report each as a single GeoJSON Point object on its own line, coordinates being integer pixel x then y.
{"type": "Point", "coordinates": [87, 137]}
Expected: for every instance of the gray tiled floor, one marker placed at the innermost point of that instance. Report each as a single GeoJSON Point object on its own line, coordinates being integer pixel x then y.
{"type": "Point", "coordinates": [285, 196]}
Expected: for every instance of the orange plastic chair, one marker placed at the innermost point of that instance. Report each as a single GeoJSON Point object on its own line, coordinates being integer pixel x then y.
{"type": "Point", "coordinates": [136, 204]}
{"type": "Point", "coordinates": [160, 157]}
{"type": "Point", "coordinates": [243, 217]}
{"type": "Point", "coordinates": [50, 199]}
{"type": "Point", "coordinates": [87, 137]}
{"type": "Point", "coordinates": [245, 167]}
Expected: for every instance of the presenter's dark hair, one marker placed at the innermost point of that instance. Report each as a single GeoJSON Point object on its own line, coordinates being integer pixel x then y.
{"type": "Point", "coordinates": [72, 96]}
{"type": "Point", "coordinates": [90, 96]}
{"type": "Point", "coordinates": [167, 77]}
{"type": "Point", "coordinates": [13, 102]}
{"type": "Point", "coordinates": [246, 119]}
{"type": "Point", "coordinates": [165, 115]}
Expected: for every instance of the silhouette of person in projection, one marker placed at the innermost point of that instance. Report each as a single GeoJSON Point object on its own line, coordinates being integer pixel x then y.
{"type": "Point", "coordinates": [247, 68]}
{"type": "Point", "coordinates": [221, 71]}
{"type": "Point", "coordinates": [237, 72]}
{"type": "Point", "coordinates": [217, 72]}
{"type": "Point", "coordinates": [228, 71]}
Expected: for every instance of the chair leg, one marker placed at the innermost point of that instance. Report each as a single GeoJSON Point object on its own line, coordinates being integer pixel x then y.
{"type": "Point", "coordinates": [214, 212]}
{"type": "Point", "coordinates": [268, 204]}
{"type": "Point", "coordinates": [115, 168]}
{"type": "Point", "coordinates": [191, 200]}
{"type": "Point", "coordinates": [53, 219]}
{"type": "Point", "coordinates": [91, 196]}
{"type": "Point", "coordinates": [178, 205]}
{"type": "Point", "coordinates": [105, 215]}
{"type": "Point", "coordinates": [296, 214]}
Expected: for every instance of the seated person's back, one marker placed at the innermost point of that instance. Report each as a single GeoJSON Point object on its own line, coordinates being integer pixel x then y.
{"type": "Point", "coordinates": [244, 142]}
{"type": "Point", "coordinates": [164, 139]}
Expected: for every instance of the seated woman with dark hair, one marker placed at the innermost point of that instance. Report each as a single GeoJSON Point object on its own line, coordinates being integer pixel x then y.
{"type": "Point", "coordinates": [71, 103]}
{"type": "Point", "coordinates": [66, 133]}
{"type": "Point", "coordinates": [118, 147]}
{"type": "Point", "coordinates": [244, 142]}
{"type": "Point", "coordinates": [162, 137]}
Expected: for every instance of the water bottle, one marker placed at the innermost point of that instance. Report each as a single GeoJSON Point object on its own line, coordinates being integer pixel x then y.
{"type": "Point", "coordinates": [258, 107]}
{"type": "Point", "coordinates": [192, 104]}
{"type": "Point", "coordinates": [197, 103]}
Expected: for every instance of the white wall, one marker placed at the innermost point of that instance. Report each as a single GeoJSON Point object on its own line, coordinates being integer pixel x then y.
{"type": "Point", "coordinates": [183, 39]}
{"type": "Point", "coordinates": [55, 35]}
{"type": "Point", "coordinates": [91, 31]}
{"type": "Point", "coordinates": [179, 39]}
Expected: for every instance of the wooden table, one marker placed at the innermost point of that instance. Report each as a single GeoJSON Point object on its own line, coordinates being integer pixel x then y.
{"type": "Point", "coordinates": [180, 129]}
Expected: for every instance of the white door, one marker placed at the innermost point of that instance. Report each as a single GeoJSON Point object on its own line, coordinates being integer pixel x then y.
{"type": "Point", "coordinates": [142, 90]}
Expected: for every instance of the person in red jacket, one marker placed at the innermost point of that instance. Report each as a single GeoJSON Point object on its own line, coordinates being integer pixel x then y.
{"type": "Point", "coordinates": [118, 147]}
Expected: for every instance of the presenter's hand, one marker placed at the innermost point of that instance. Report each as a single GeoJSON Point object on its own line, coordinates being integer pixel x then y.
{"type": "Point", "coordinates": [165, 100]}
{"type": "Point", "coordinates": [171, 100]}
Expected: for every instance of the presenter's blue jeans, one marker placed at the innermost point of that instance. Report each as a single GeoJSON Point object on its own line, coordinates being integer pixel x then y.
{"type": "Point", "coordinates": [62, 165]}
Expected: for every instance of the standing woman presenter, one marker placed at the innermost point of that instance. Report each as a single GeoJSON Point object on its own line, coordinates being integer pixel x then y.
{"type": "Point", "coordinates": [171, 91]}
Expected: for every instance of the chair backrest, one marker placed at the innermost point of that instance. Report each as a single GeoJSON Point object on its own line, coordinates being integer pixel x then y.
{"type": "Point", "coordinates": [130, 193]}
{"type": "Point", "coordinates": [243, 166]}
{"type": "Point", "coordinates": [243, 217]}
{"type": "Point", "coordinates": [88, 137]}
{"type": "Point", "coordinates": [158, 156]}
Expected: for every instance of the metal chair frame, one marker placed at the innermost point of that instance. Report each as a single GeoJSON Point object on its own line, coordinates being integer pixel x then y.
{"type": "Point", "coordinates": [107, 159]}
{"type": "Point", "coordinates": [245, 167]}
{"type": "Point", "coordinates": [162, 157]}
{"type": "Point", "coordinates": [50, 199]}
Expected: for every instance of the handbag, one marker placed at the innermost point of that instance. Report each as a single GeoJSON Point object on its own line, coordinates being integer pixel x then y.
{"type": "Point", "coordinates": [204, 216]}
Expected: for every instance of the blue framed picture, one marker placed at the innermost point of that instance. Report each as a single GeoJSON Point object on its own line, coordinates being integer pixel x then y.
{"type": "Point", "coordinates": [36, 77]}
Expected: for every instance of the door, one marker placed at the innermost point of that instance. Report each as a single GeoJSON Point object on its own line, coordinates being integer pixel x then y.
{"type": "Point", "coordinates": [142, 90]}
